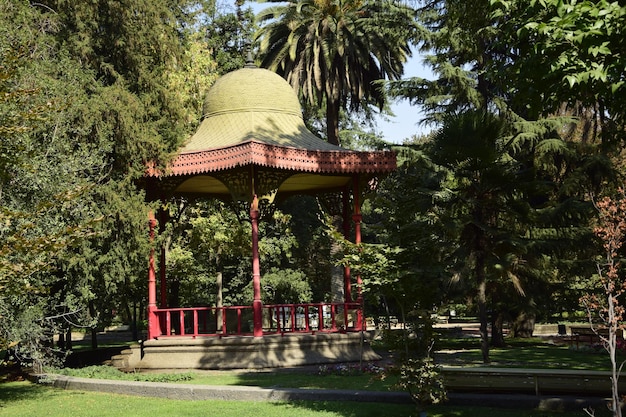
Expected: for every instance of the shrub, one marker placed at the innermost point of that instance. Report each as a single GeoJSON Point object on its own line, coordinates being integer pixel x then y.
{"type": "Point", "coordinates": [424, 382]}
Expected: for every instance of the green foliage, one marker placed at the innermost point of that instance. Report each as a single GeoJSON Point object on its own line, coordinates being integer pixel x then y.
{"type": "Point", "coordinates": [473, 202]}
{"type": "Point", "coordinates": [516, 60]}
{"type": "Point", "coordinates": [456, 40]}
{"type": "Point", "coordinates": [532, 59]}
{"type": "Point", "coordinates": [192, 77]}
{"type": "Point", "coordinates": [87, 98]}
{"type": "Point", "coordinates": [27, 336]}
{"type": "Point", "coordinates": [40, 184]}
{"type": "Point", "coordinates": [18, 110]}
{"type": "Point", "coordinates": [374, 262]}
{"type": "Point", "coordinates": [90, 91]}
{"type": "Point", "coordinates": [207, 238]}
{"type": "Point", "coordinates": [575, 49]}
{"type": "Point", "coordinates": [129, 47]}
{"type": "Point", "coordinates": [480, 204]}
{"type": "Point", "coordinates": [109, 372]}
{"type": "Point", "coordinates": [228, 34]}
{"type": "Point", "coordinates": [402, 218]}
{"type": "Point", "coordinates": [423, 379]}
{"type": "Point", "coordinates": [285, 286]}
{"type": "Point", "coordinates": [202, 240]}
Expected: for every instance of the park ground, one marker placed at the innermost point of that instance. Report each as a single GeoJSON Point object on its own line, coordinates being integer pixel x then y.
{"type": "Point", "coordinates": [19, 397]}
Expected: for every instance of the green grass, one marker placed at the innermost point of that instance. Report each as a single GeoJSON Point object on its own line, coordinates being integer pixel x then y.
{"type": "Point", "coordinates": [526, 353]}
{"type": "Point", "coordinates": [23, 399]}
{"type": "Point", "coordinates": [523, 353]}
{"type": "Point", "coordinates": [297, 380]}
{"type": "Point", "coordinates": [108, 372]}
{"type": "Point", "coordinates": [529, 353]}
{"type": "Point", "coordinates": [277, 379]}
{"type": "Point", "coordinates": [83, 346]}
{"type": "Point", "coordinates": [26, 399]}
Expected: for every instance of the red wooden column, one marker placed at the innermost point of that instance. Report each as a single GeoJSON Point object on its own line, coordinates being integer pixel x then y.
{"type": "Point", "coordinates": [154, 329]}
{"type": "Point", "coordinates": [257, 305]}
{"type": "Point", "coordinates": [346, 233]}
{"type": "Point", "coordinates": [162, 260]}
{"type": "Point", "coordinates": [357, 217]}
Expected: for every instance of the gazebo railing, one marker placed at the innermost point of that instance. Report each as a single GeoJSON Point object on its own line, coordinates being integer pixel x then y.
{"type": "Point", "coordinates": [277, 319]}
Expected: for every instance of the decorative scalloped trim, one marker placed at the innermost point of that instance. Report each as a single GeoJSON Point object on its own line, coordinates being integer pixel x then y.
{"type": "Point", "coordinates": [278, 157]}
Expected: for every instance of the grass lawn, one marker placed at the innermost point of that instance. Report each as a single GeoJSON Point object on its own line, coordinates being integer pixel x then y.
{"type": "Point", "coordinates": [24, 399]}
{"type": "Point", "coordinates": [274, 379]}
{"type": "Point", "coordinates": [298, 380]}
{"type": "Point", "coordinates": [525, 353]}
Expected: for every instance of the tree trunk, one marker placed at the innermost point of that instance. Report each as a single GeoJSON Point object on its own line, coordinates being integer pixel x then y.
{"type": "Point", "coordinates": [611, 347]}
{"type": "Point", "coordinates": [61, 342]}
{"type": "Point", "coordinates": [337, 281]}
{"type": "Point", "coordinates": [131, 314]}
{"type": "Point", "coordinates": [133, 325]}
{"type": "Point", "coordinates": [143, 315]}
{"type": "Point", "coordinates": [332, 121]}
{"type": "Point", "coordinates": [524, 325]}
{"type": "Point", "coordinates": [405, 331]}
{"type": "Point", "coordinates": [68, 338]}
{"type": "Point", "coordinates": [497, 331]}
{"type": "Point", "coordinates": [173, 301]}
{"type": "Point", "coordinates": [482, 315]}
{"type": "Point", "coordinates": [219, 302]}
{"type": "Point", "coordinates": [94, 330]}
{"type": "Point", "coordinates": [174, 294]}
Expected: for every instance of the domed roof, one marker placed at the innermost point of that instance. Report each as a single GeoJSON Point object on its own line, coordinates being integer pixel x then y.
{"type": "Point", "coordinates": [253, 104]}
{"type": "Point", "coordinates": [251, 89]}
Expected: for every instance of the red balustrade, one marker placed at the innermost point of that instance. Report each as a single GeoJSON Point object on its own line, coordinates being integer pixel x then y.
{"type": "Point", "coordinates": [277, 319]}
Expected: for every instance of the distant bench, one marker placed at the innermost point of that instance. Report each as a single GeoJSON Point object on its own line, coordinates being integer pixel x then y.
{"type": "Point", "coordinates": [383, 322]}
{"type": "Point", "coordinates": [586, 334]}
{"type": "Point", "coordinates": [388, 321]}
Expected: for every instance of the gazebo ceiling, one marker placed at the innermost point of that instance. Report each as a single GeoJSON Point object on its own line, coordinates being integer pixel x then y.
{"type": "Point", "coordinates": [296, 183]}
{"type": "Point", "coordinates": [253, 141]}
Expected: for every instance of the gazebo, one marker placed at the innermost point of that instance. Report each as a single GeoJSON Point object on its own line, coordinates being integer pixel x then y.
{"type": "Point", "coordinates": [251, 149]}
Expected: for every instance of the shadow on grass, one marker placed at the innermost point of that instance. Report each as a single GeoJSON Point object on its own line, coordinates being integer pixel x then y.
{"type": "Point", "coordinates": [352, 409]}
{"type": "Point", "coordinates": [19, 391]}
{"type": "Point", "coordinates": [309, 380]}
{"type": "Point", "coordinates": [355, 409]}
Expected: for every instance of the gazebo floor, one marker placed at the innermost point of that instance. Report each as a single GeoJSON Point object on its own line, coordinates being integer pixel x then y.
{"type": "Point", "coordinates": [246, 352]}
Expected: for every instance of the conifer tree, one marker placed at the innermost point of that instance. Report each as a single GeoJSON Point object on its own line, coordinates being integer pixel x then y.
{"type": "Point", "coordinates": [45, 181]}
{"type": "Point", "coordinates": [478, 51]}
{"type": "Point", "coordinates": [104, 74]}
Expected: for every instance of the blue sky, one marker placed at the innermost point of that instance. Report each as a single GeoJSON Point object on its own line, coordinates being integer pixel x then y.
{"type": "Point", "coordinates": [406, 121]}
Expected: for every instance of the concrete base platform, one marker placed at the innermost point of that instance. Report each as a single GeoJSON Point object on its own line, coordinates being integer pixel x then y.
{"type": "Point", "coordinates": [246, 352]}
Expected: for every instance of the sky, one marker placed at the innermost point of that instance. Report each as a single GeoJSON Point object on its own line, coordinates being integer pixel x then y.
{"type": "Point", "coordinates": [405, 123]}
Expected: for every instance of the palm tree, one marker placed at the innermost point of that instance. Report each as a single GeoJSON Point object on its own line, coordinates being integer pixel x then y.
{"type": "Point", "coordinates": [483, 205]}
{"type": "Point", "coordinates": [333, 51]}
